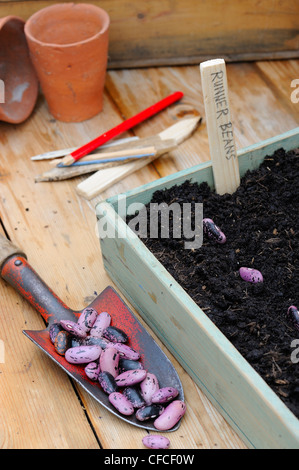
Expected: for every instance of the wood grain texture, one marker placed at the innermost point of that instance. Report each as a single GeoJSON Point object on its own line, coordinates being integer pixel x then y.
{"type": "Point", "coordinates": [161, 32]}
{"type": "Point", "coordinates": [57, 229]}
{"type": "Point", "coordinates": [38, 405]}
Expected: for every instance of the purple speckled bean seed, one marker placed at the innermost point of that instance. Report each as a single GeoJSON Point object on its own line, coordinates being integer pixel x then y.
{"type": "Point", "coordinates": [92, 370]}
{"type": "Point", "coordinates": [128, 364]}
{"type": "Point", "coordinates": [73, 328]}
{"type": "Point", "coordinates": [77, 341]}
{"type": "Point", "coordinates": [130, 377]}
{"type": "Point", "coordinates": [83, 354]}
{"type": "Point", "coordinates": [170, 416]}
{"type": "Point", "coordinates": [149, 412]}
{"type": "Point", "coordinates": [54, 330]}
{"type": "Point", "coordinates": [154, 441]}
{"type": "Point", "coordinates": [134, 396]}
{"type": "Point", "coordinates": [213, 231]}
{"type": "Point", "coordinates": [251, 275]}
{"type": "Point", "coordinates": [121, 403]}
{"type": "Point", "coordinates": [107, 382]}
{"type": "Point", "coordinates": [148, 387]}
{"type": "Point", "coordinates": [115, 335]}
{"type": "Point", "coordinates": [293, 316]}
{"type": "Point", "coordinates": [87, 318]}
{"type": "Point", "coordinates": [165, 394]}
{"type": "Point", "coordinates": [109, 360]}
{"type": "Point", "coordinates": [62, 342]}
{"type": "Point", "coordinates": [90, 340]}
{"type": "Point", "coordinates": [102, 322]}
{"type": "Point", "coordinates": [125, 351]}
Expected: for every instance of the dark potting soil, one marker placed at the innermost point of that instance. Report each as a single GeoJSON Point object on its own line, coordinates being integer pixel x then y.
{"type": "Point", "coordinates": [260, 221]}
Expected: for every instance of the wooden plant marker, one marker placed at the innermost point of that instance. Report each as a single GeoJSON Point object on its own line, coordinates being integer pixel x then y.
{"type": "Point", "coordinates": [118, 157]}
{"type": "Point", "coordinates": [219, 125]}
{"type": "Point", "coordinates": [103, 179]}
{"type": "Point", "coordinates": [62, 173]}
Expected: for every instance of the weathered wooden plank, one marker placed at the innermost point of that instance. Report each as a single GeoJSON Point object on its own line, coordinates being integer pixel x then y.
{"type": "Point", "coordinates": [282, 79]}
{"type": "Point", "coordinates": [160, 32]}
{"type": "Point", "coordinates": [35, 398]}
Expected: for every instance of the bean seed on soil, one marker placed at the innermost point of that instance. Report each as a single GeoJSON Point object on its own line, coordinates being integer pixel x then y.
{"type": "Point", "coordinates": [293, 316]}
{"type": "Point", "coordinates": [213, 231]}
{"type": "Point", "coordinates": [251, 275]}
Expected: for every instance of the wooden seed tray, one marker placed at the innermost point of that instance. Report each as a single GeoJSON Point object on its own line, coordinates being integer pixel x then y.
{"type": "Point", "coordinates": [256, 413]}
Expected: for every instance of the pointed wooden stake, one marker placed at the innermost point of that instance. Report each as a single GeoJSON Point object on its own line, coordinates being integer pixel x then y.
{"type": "Point", "coordinates": [103, 179]}
{"type": "Point", "coordinates": [220, 128]}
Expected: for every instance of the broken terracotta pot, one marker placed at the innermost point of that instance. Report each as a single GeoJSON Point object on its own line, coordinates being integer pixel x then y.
{"type": "Point", "coordinates": [69, 48]}
{"type": "Point", "coordinates": [18, 80]}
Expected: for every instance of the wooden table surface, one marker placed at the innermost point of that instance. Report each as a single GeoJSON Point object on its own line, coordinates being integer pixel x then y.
{"type": "Point", "coordinates": [40, 407]}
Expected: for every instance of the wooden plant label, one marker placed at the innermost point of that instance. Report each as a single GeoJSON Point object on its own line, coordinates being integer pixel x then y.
{"type": "Point", "coordinates": [219, 125]}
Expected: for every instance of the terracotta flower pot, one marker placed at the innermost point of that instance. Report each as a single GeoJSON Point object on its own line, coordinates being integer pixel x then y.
{"type": "Point", "coordinates": [69, 48]}
{"type": "Point", "coordinates": [18, 80]}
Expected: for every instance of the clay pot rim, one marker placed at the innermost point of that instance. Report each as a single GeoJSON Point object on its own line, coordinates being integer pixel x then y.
{"type": "Point", "coordinates": [6, 19]}
{"type": "Point", "coordinates": [36, 15]}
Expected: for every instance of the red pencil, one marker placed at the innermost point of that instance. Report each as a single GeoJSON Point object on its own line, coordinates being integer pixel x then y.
{"type": "Point", "coordinates": [120, 128]}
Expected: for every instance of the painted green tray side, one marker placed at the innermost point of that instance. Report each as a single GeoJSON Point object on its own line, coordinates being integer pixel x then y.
{"type": "Point", "coordinates": [237, 391]}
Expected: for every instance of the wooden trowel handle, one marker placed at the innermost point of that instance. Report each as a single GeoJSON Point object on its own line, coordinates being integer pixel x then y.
{"type": "Point", "coordinates": [8, 249]}
{"type": "Point", "coordinates": [15, 270]}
